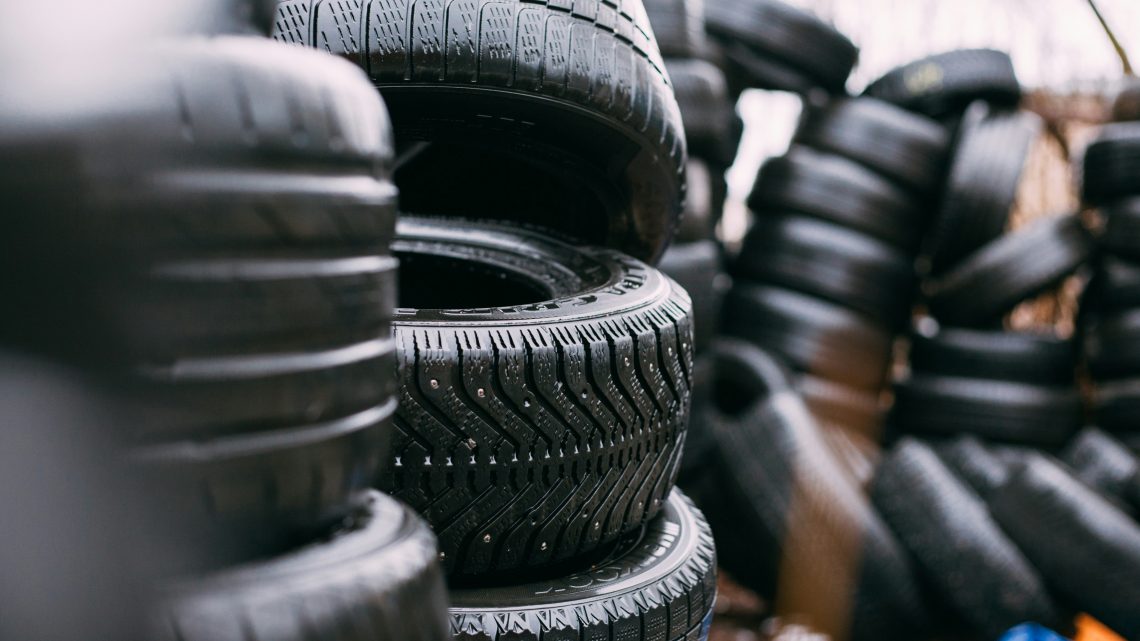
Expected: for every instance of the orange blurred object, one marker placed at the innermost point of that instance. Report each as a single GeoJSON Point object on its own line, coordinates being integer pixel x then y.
{"type": "Point", "coordinates": [1089, 629]}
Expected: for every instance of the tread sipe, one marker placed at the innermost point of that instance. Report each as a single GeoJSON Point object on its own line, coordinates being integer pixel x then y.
{"type": "Point", "coordinates": [545, 391]}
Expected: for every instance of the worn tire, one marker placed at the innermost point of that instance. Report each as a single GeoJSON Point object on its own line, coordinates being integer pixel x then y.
{"type": "Point", "coordinates": [814, 337]}
{"type": "Point", "coordinates": [709, 114]}
{"type": "Point", "coordinates": [1087, 550]}
{"type": "Point", "coordinates": [376, 578]}
{"type": "Point", "coordinates": [787, 35]}
{"type": "Point", "coordinates": [1111, 163]}
{"type": "Point", "coordinates": [696, 267]}
{"type": "Point", "coordinates": [702, 211]}
{"type": "Point", "coordinates": [993, 280]}
{"type": "Point", "coordinates": [1022, 357]}
{"type": "Point", "coordinates": [950, 535]}
{"type": "Point", "coordinates": [570, 101]}
{"type": "Point", "coordinates": [1103, 463]}
{"type": "Point", "coordinates": [790, 522]}
{"type": "Point", "coordinates": [974, 463]}
{"type": "Point", "coordinates": [679, 27]}
{"type": "Point", "coordinates": [1122, 232]}
{"type": "Point", "coordinates": [831, 262]}
{"type": "Point", "coordinates": [659, 584]}
{"type": "Point", "coordinates": [944, 84]}
{"type": "Point", "coordinates": [545, 390]}
{"type": "Point", "coordinates": [1002, 411]}
{"type": "Point", "coordinates": [841, 191]}
{"type": "Point", "coordinates": [907, 148]}
{"type": "Point", "coordinates": [1116, 404]}
{"type": "Point", "coordinates": [985, 171]}
{"type": "Point", "coordinates": [1112, 346]}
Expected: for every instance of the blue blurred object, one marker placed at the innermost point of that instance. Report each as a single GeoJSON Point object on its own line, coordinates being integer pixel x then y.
{"type": "Point", "coordinates": [1031, 632]}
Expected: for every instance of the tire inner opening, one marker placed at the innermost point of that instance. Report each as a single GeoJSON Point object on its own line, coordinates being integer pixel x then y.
{"type": "Point", "coordinates": [430, 281]}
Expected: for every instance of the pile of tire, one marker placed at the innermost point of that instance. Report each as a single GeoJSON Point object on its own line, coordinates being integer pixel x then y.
{"type": "Point", "coordinates": [544, 366]}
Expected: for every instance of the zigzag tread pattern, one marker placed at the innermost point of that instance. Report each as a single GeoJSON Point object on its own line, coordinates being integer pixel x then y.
{"type": "Point", "coordinates": [524, 446]}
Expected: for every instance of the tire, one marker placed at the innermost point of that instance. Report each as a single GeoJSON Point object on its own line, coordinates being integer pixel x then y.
{"type": "Point", "coordinates": [1115, 287]}
{"type": "Point", "coordinates": [699, 444]}
{"type": "Point", "coordinates": [248, 189]}
{"type": "Point", "coordinates": [1110, 346]}
{"type": "Point", "coordinates": [1111, 163]}
{"type": "Point", "coordinates": [943, 85]}
{"type": "Point", "coordinates": [1087, 550]}
{"type": "Point", "coordinates": [853, 410]}
{"type": "Point", "coordinates": [746, 69]}
{"type": "Point", "coordinates": [789, 36]}
{"type": "Point", "coordinates": [545, 391]}
{"type": "Point", "coordinates": [377, 578]}
{"type": "Point", "coordinates": [950, 535]}
{"type": "Point", "coordinates": [789, 521]}
{"type": "Point", "coordinates": [985, 172]}
{"type": "Point", "coordinates": [1019, 357]}
{"type": "Point", "coordinates": [711, 122]}
{"type": "Point", "coordinates": [679, 27]}
{"type": "Point", "coordinates": [1106, 465]}
{"type": "Point", "coordinates": [906, 148]}
{"type": "Point", "coordinates": [699, 221]}
{"type": "Point", "coordinates": [591, 141]}
{"type": "Point", "coordinates": [840, 191]}
{"type": "Point", "coordinates": [1126, 104]}
{"type": "Point", "coordinates": [696, 268]}
{"type": "Point", "coordinates": [824, 260]}
{"type": "Point", "coordinates": [1115, 405]}
{"type": "Point", "coordinates": [814, 337]}
{"type": "Point", "coordinates": [1122, 233]}
{"type": "Point", "coordinates": [974, 463]}
{"type": "Point", "coordinates": [993, 280]}
{"type": "Point", "coordinates": [656, 585]}
{"type": "Point", "coordinates": [1015, 413]}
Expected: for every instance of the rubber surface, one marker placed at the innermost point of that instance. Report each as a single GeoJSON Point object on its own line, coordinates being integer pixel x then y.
{"type": "Point", "coordinates": [1122, 233]}
{"type": "Point", "coordinates": [1111, 346]}
{"type": "Point", "coordinates": [702, 211]}
{"type": "Point", "coordinates": [712, 126]}
{"type": "Point", "coordinates": [545, 391]}
{"type": "Point", "coordinates": [656, 585]}
{"type": "Point", "coordinates": [696, 267]}
{"type": "Point", "coordinates": [1087, 550]}
{"type": "Point", "coordinates": [974, 463]}
{"type": "Point", "coordinates": [377, 578]}
{"type": "Point", "coordinates": [1110, 164]}
{"type": "Point", "coordinates": [791, 36]}
{"type": "Point", "coordinates": [992, 410]}
{"type": "Point", "coordinates": [1115, 286]}
{"type": "Point", "coordinates": [679, 26]}
{"type": "Point", "coordinates": [944, 84]}
{"type": "Point", "coordinates": [841, 191]}
{"type": "Point", "coordinates": [1106, 465]}
{"type": "Point", "coordinates": [570, 101]}
{"type": "Point", "coordinates": [789, 520]}
{"type": "Point", "coordinates": [1022, 357]}
{"type": "Point", "coordinates": [841, 266]}
{"type": "Point", "coordinates": [985, 172]}
{"type": "Point", "coordinates": [973, 567]}
{"type": "Point", "coordinates": [1015, 268]}
{"type": "Point", "coordinates": [814, 336]}
{"type": "Point", "coordinates": [1116, 405]}
{"type": "Point", "coordinates": [907, 148]}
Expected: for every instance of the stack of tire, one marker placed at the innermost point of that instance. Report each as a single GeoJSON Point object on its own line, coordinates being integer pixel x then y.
{"type": "Point", "coordinates": [544, 367]}
{"type": "Point", "coordinates": [209, 219]}
{"type": "Point", "coordinates": [1110, 309]}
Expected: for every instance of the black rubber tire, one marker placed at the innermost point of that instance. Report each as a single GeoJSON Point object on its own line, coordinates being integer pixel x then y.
{"type": "Point", "coordinates": [545, 390]}
{"type": "Point", "coordinates": [1114, 287]}
{"type": "Point", "coordinates": [1122, 232]}
{"type": "Point", "coordinates": [377, 577]}
{"type": "Point", "coordinates": [699, 443]}
{"type": "Point", "coordinates": [1112, 346]}
{"type": "Point", "coordinates": [1116, 404]}
{"type": "Point", "coordinates": [709, 114]}
{"type": "Point", "coordinates": [950, 535]}
{"type": "Point", "coordinates": [907, 148]}
{"type": "Point", "coordinates": [1020, 357]}
{"type": "Point", "coordinates": [974, 463]}
{"type": "Point", "coordinates": [833, 404]}
{"type": "Point", "coordinates": [989, 283]}
{"type": "Point", "coordinates": [787, 35]}
{"type": "Point", "coordinates": [660, 584]}
{"type": "Point", "coordinates": [1103, 463]}
{"type": "Point", "coordinates": [1087, 550]}
{"type": "Point", "coordinates": [679, 27]}
{"type": "Point", "coordinates": [985, 171]}
{"type": "Point", "coordinates": [1126, 104]}
{"type": "Point", "coordinates": [814, 337]}
{"type": "Point", "coordinates": [1111, 163]}
{"type": "Point", "coordinates": [841, 191]}
{"type": "Point", "coordinates": [1001, 411]}
{"type": "Point", "coordinates": [944, 84]}
{"type": "Point", "coordinates": [71, 564]}
{"type": "Point", "coordinates": [579, 115]}
{"type": "Point", "coordinates": [789, 521]}
{"type": "Point", "coordinates": [245, 186]}
{"type": "Point", "coordinates": [696, 267]}
{"type": "Point", "coordinates": [745, 69]}
{"type": "Point", "coordinates": [830, 262]}
{"type": "Point", "coordinates": [701, 209]}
